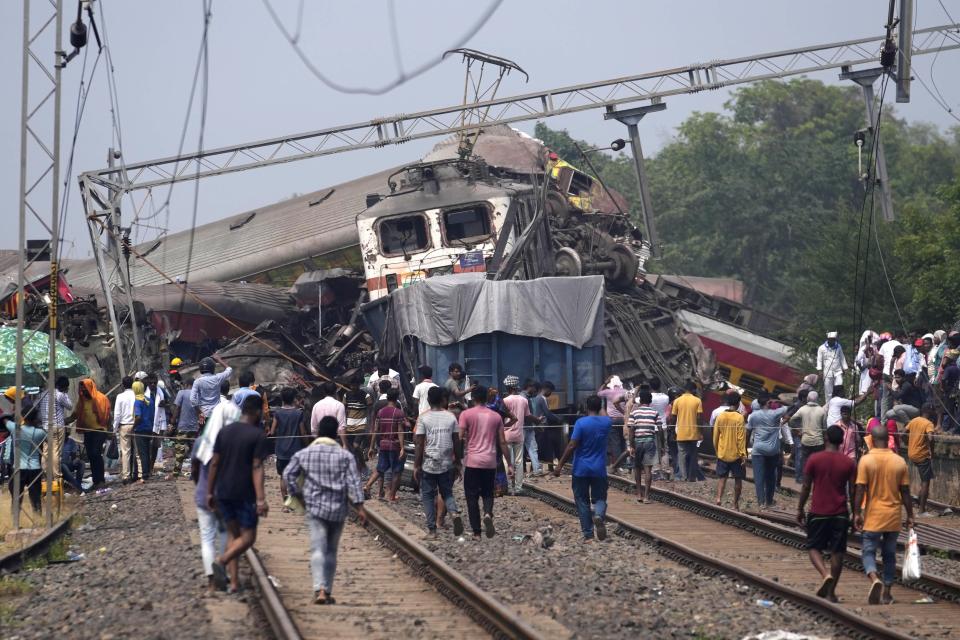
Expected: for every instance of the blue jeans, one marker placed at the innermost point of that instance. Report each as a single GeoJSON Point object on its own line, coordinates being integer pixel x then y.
{"type": "Point", "coordinates": [887, 542]}
{"type": "Point", "coordinates": [430, 483]}
{"type": "Point", "coordinates": [530, 444]}
{"type": "Point", "coordinates": [765, 477]}
{"type": "Point", "coordinates": [585, 491]}
{"type": "Point", "coordinates": [324, 540]}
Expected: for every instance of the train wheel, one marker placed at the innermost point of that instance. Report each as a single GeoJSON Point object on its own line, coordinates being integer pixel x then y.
{"type": "Point", "coordinates": [625, 267]}
{"type": "Point", "coordinates": [567, 262]}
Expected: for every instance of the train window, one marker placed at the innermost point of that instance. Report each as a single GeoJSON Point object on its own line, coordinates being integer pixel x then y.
{"type": "Point", "coordinates": [580, 184]}
{"type": "Point", "coordinates": [777, 390]}
{"type": "Point", "coordinates": [752, 385]}
{"type": "Point", "coordinates": [401, 236]}
{"type": "Point", "coordinates": [725, 372]}
{"type": "Point", "coordinates": [470, 223]}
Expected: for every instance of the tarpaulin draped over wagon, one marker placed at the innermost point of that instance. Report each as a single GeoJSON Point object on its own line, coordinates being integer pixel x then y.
{"type": "Point", "coordinates": [447, 309]}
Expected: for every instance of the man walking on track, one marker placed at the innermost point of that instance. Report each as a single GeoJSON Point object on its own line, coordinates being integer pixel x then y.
{"type": "Point", "coordinates": [588, 446]}
{"type": "Point", "coordinates": [330, 484]}
{"type": "Point", "coordinates": [883, 481]}
{"type": "Point", "coordinates": [730, 443]}
{"type": "Point", "coordinates": [481, 430]}
{"type": "Point", "coordinates": [438, 451]}
{"type": "Point", "coordinates": [832, 476]}
{"type": "Point", "coordinates": [235, 487]}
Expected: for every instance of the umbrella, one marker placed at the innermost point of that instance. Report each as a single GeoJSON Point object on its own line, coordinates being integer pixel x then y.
{"type": "Point", "coordinates": [36, 353]}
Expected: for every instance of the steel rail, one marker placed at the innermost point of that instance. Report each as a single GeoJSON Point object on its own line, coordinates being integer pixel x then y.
{"type": "Point", "coordinates": [933, 537]}
{"type": "Point", "coordinates": [932, 585]}
{"type": "Point", "coordinates": [281, 623]}
{"type": "Point", "coordinates": [494, 617]}
{"type": "Point", "coordinates": [14, 560]}
{"type": "Point", "coordinates": [862, 627]}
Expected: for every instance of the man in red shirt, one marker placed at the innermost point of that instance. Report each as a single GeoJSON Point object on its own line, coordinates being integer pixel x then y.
{"type": "Point", "coordinates": [832, 475]}
{"type": "Point", "coordinates": [481, 429]}
{"type": "Point", "coordinates": [388, 429]}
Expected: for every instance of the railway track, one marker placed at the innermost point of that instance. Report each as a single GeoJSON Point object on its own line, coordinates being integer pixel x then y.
{"type": "Point", "coordinates": [388, 585]}
{"type": "Point", "coordinates": [942, 537]}
{"type": "Point", "coordinates": [770, 558]}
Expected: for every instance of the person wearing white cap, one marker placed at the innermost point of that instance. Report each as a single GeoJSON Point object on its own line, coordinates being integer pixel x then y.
{"type": "Point", "coordinates": [831, 363]}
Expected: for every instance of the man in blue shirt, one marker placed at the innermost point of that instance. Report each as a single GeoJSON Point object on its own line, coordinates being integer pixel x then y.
{"type": "Point", "coordinates": [588, 445]}
{"type": "Point", "coordinates": [27, 444]}
{"type": "Point", "coordinates": [764, 426]}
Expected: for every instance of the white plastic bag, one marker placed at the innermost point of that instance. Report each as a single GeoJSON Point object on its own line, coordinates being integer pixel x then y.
{"type": "Point", "coordinates": [911, 558]}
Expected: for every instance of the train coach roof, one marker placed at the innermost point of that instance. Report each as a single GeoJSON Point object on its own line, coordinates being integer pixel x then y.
{"type": "Point", "coordinates": [450, 195]}
{"type": "Point", "coordinates": [254, 241]}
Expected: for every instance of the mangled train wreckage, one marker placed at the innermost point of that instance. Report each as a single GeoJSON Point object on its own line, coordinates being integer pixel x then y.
{"type": "Point", "coordinates": [284, 288]}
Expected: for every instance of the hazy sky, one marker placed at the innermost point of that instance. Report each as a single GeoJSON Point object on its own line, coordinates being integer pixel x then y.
{"type": "Point", "coordinates": [259, 88]}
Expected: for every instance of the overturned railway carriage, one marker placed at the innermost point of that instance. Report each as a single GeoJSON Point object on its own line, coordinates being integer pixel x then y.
{"type": "Point", "coordinates": [445, 216]}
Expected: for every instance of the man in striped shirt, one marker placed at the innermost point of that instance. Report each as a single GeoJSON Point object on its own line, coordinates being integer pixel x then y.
{"type": "Point", "coordinates": [641, 430]}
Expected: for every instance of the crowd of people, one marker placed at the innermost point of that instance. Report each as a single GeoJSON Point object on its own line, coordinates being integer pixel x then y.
{"type": "Point", "coordinates": [337, 445]}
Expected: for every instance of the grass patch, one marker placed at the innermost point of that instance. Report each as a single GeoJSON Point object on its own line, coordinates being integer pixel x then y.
{"type": "Point", "coordinates": [58, 549]}
{"type": "Point", "coordinates": [10, 590]}
{"type": "Point", "coordinates": [11, 587]}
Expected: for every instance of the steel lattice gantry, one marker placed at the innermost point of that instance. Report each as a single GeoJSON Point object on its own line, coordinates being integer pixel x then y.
{"type": "Point", "coordinates": [103, 190]}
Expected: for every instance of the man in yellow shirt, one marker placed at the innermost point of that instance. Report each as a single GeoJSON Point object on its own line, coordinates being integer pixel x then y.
{"type": "Point", "coordinates": [730, 443]}
{"type": "Point", "coordinates": [883, 487]}
{"type": "Point", "coordinates": [920, 454]}
{"type": "Point", "coordinates": [688, 409]}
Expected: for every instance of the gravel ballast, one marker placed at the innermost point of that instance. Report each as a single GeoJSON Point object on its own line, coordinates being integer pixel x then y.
{"type": "Point", "coordinates": [140, 577]}
{"type": "Point", "coordinates": [612, 589]}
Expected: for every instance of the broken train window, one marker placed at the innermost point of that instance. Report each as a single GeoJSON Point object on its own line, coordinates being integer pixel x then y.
{"type": "Point", "coordinates": [466, 223]}
{"type": "Point", "coordinates": [407, 234]}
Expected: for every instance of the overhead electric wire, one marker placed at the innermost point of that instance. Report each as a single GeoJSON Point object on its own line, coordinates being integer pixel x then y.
{"type": "Point", "coordinates": [205, 85]}
{"type": "Point", "coordinates": [85, 83]}
{"type": "Point", "coordinates": [396, 82]}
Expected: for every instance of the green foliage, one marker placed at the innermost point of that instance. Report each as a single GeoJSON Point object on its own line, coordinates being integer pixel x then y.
{"type": "Point", "coordinates": [928, 248]}
{"type": "Point", "coordinates": [768, 191]}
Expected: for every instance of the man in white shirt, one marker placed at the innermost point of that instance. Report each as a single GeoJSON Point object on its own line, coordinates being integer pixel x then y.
{"type": "Point", "coordinates": [889, 362]}
{"type": "Point", "coordinates": [831, 363]}
{"type": "Point", "coordinates": [661, 402]}
{"type": "Point", "coordinates": [328, 405]}
{"type": "Point", "coordinates": [420, 391]}
{"type": "Point", "coordinates": [123, 426]}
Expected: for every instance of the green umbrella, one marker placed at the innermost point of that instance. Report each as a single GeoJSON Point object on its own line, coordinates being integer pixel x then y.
{"type": "Point", "coordinates": [36, 355]}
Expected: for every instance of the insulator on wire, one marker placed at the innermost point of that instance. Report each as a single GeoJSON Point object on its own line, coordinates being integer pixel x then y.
{"type": "Point", "coordinates": [888, 54]}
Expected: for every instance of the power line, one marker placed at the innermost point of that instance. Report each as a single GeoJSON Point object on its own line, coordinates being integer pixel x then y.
{"type": "Point", "coordinates": [77, 119]}
{"type": "Point", "coordinates": [950, 17]}
{"type": "Point", "coordinates": [396, 82]}
{"type": "Point", "coordinates": [205, 85]}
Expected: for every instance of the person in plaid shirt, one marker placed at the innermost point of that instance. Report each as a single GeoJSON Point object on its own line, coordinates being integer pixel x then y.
{"type": "Point", "coordinates": [325, 477]}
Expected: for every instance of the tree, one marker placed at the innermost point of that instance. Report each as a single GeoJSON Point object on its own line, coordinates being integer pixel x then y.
{"type": "Point", "coordinates": [768, 191]}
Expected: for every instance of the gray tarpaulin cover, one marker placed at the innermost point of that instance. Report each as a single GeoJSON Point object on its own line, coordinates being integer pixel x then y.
{"type": "Point", "coordinates": [447, 309]}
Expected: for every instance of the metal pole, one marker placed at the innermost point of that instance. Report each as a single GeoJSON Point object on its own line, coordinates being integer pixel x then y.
{"type": "Point", "coordinates": [904, 50]}
{"type": "Point", "coordinates": [105, 285]}
{"type": "Point", "coordinates": [18, 380]}
{"type": "Point", "coordinates": [123, 264]}
{"type": "Point", "coordinates": [631, 117]}
{"type": "Point", "coordinates": [54, 258]}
